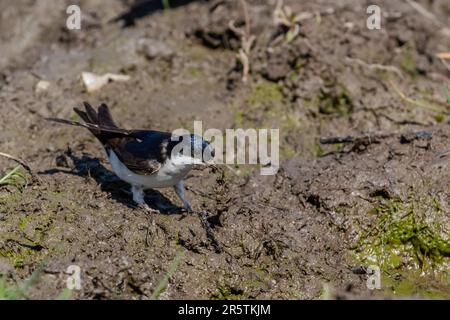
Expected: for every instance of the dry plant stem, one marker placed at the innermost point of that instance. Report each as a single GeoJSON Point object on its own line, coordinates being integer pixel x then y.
{"type": "Point", "coordinates": [280, 17]}
{"type": "Point", "coordinates": [232, 170]}
{"type": "Point", "coordinates": [284, 16]}
{"type": "Point", "coordinates": [377, 66]}
{"type": "Point", "coordinates": [430, 16]}
{"type": "Point", "coordinates": [443, 55]}
{"type": "Point", "coordinates": [243, 57]}
{"type": "Point", "coordinates": [20, 161]}
{"type": "Point", "coordinates": [445, 64]}
{"type": "Point", "coordinates": [439, 77]}
{"type": "Point", "coordinates": [427, 14]}
{"type": "Point", "coordinates": [412, 101]}
{"type": "Point", "coordinates": [247, 41]}
{"type": "Point", "coordinates": [246, 17]}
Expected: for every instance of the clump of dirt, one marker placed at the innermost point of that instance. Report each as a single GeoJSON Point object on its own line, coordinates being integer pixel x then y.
{"type": "Point", "coordinates": [376, 197]}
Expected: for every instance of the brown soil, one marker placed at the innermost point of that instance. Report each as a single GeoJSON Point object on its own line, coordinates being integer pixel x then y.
{"type": "Point", "coordinates": [308, 232]}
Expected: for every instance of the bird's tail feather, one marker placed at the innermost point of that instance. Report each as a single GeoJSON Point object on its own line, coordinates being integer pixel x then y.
{"type": "Point", "coordinates": [100, 124]}
{"type": "Point", "coordinates": [90, 126]}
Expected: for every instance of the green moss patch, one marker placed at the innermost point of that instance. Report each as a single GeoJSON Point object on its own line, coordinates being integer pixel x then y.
{"type": "Point", "coordinates": [339, 103]}
{"type": "Point", "coordinates": [409, 245]}
{"type": "Point", "coordinates": [264, 93]}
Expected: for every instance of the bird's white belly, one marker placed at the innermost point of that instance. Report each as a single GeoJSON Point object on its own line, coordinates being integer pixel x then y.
{"type": "Point", "coordinates": [167, 176]}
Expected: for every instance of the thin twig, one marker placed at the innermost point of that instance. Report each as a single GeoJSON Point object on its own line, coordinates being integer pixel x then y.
{"type": "Point", "coordinates": [374, 137]}
{"type": "Point", "coordinates": [354, 139]}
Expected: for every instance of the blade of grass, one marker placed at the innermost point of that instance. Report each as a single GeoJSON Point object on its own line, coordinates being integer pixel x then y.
{"type": "Point", "coordinates": [163, 282]}
{"type": "Point", "coordinates": [20, 161]}
{"type": "Point", "coordinates": [447, 93]}
{"type": "Point", "coordinates": [416, 103]}
{"type": "Point", "coordinates": [66, 294]}
{"type": "Point", "coordinates": [31, 280]}
{"type": "Point", "coordinates": [166, 4]}
{"type": "Point", "coordinates": [19, 291]}
{"type": "Point", "coordinates": [14, 178]}
{"type": "Point", "coordinates": [5, 178]}
{"type": "Point", "coordinates": [6, 292]}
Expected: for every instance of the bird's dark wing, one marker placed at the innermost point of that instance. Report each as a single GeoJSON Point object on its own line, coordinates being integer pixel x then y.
{"type": "Point", "coordinates": [144, 152]}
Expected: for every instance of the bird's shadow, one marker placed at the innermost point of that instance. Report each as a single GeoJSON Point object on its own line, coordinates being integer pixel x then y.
{"type": "Point", "coordinates": [89, 167]}
{"type": "Point", "coordinates": [143, 8]}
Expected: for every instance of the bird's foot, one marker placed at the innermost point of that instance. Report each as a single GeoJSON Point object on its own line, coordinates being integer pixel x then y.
{"type": "Point", "coordinates": [184, 211]}
{"type": "Point", "coordinates": [151, 230]}
{"type": "Point", "coordinates": [162, 206]}
{"type": "Point", "coordinates": [187, 208]}
{"type": "Point", "coordinates": [179, 190]}
{"type": "Point", "coordinates": [151, 225]}
{"type": "Point", "coordinates": [146, 208]}
{"type": "Point", "coordinates": [126, 191]}
{"type": "Point", "coordinates": [138, 197]}
{"type": "Point", "coordinates": [203, 216]}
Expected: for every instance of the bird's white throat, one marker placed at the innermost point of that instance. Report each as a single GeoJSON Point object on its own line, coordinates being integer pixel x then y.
{"type": "Point", "coordinates": [171, 172]}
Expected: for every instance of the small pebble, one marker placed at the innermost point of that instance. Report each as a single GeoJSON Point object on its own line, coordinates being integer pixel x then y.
{"type": "Point", "coordinates": [152, 48]}
{"type": "Point", "coordinates": [42, 86]}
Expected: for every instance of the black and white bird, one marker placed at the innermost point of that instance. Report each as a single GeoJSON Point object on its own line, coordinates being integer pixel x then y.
{"type": "Point", "coordinates": [145, 159]}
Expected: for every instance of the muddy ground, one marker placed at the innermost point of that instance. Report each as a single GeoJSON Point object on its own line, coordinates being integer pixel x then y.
{"type": "Point", "coordinates": [312, 230]}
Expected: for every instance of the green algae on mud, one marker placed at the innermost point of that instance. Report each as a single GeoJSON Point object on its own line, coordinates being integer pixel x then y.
{"type": "Point", "coordinates": [408, 63]}
{"type": "Point", "coordinates": [262, 105]}
{"type": "Point", "coordinates": [224, 292]}
{"type": "Point", "coordinates": [340, 104]}
{"type": "Point", "coordinates": [24, 243]}
{"type": "Point", "coordinates": [408, 245]}
{"type": "Point", "coordinates": [265, 107]}
{"type": "Point", "coordinates": [264, 93]}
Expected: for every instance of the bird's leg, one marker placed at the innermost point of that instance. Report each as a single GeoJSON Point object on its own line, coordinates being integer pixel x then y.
{"type": "Point", "coordinates": [138, 197]}
{"type": "Point", "coordinates": [179, 190]}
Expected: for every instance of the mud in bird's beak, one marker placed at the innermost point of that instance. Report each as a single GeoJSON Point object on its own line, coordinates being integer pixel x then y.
{"type": "Point", "coordinates": [208, 153]}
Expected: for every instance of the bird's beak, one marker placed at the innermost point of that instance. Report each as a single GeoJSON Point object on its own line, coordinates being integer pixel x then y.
{"type": "Point", "coordinates": [211, 164]}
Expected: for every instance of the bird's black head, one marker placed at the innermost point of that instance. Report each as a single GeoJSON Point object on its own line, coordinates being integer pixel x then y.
{"type": "Point", "coordinates": [201, 149]}
{"type": "Point", "coordinates": [193, 149]}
